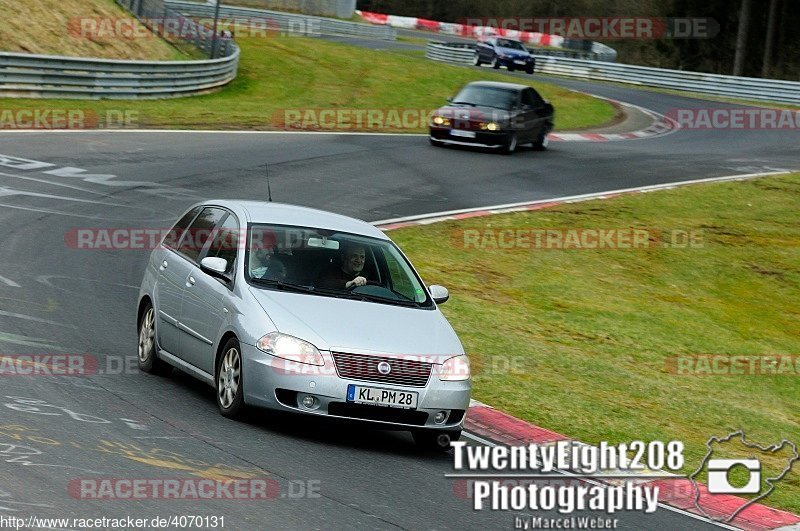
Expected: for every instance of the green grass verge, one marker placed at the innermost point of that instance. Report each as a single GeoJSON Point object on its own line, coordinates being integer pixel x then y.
{"type": "Point", "coordinates": [80, 28]}
{"type": "Point", "coordinates": [577, 341]}
{"type": "Point", "coordinates": [298, 73]}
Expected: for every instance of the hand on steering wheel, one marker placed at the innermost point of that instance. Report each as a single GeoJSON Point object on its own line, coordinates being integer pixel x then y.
{"type": "Point", "coordinates": [355, 285]}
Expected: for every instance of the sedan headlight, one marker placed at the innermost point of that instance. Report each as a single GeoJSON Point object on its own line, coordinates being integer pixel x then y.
{"type": "Point", "coordinates": [441, 120]}
{"type": "Point", "coordinates": [290, 348]}
{"type": "Point", "coordinates": [490, 126]}
{"type": "Point", "coordinates": [455, 369]}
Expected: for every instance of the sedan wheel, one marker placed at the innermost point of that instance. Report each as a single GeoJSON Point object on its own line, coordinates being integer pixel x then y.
{"type": "Point", "coordinates": [511, 146]}
{"type": "Point", "coordinates": [495, 63]}
{"type": "Point", "coordinates": [477, 59]}
{"type": "Point", "coordinates": [230, 391]}
{"type": "Point", "coordinates": [148, 360]}
{"type": "Point", "coordinates": [542, 142]}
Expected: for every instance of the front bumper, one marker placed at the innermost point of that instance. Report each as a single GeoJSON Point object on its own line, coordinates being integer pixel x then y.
{"type": "Point", "coordinates": [512, 62]}
{"type": "Point", "coordinates": [486, 139]}
{"type": "Point", "coordinates": [271, 383]}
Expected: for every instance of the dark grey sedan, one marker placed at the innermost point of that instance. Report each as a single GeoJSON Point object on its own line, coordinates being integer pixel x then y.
{"type": "Point", "coordinates": [493, 115]}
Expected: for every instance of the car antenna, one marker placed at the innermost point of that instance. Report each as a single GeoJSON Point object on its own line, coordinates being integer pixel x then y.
{"type": "Point", "coordinates": [269, 190]}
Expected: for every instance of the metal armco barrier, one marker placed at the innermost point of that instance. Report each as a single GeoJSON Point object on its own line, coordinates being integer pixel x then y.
{"type": "Point", "coordinates": [289, 23]}
{"type": "Point", "coordinates": [50, 76]}
{"type": "Point", "coordinates": [748, 88]}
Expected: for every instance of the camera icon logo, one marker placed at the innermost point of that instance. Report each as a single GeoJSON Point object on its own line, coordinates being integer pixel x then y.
{"type": "Point", "coordinates": [719, 481]}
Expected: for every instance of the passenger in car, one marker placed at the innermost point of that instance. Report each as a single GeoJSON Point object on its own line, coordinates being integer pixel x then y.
{"type": "Point", "coordinates": [348, 273]}
{"type": "Point", "coordinates": [266, 266]}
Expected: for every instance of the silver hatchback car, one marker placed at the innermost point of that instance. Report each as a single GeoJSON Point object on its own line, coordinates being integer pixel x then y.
{"type": "Point", "coordinates": [297, 309]}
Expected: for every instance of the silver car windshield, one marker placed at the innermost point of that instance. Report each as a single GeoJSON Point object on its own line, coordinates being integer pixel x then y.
{"type": "Point", "coordinates": [327, 263]}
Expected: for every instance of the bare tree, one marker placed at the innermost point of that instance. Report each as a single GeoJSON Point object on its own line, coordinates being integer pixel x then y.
{"type": "Point", "coordinates": [769, 38]}
{"type": "Point", "coordinates": [741, 38]}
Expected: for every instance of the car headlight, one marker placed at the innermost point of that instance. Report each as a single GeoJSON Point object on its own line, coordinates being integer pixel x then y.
{"type": "Point", "coordinates": [290, 348]}
{"type": "Point", "coordinates": [441, 120]}
{"type": "Point", "coordinates": [490, 126]}
{"type": "Point", "coordinates": [455, 369]}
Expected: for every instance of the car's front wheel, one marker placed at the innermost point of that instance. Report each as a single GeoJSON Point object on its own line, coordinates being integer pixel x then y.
{"type": "Point", "coordinates": [529, 69]}
{"type": "Point", "coordinates": [542, 142]}
{"type": "Point", "coordinates": [511, 145]}
{"type": "Point", "coordinates": [229, 377]}
{"type": "Point", "coordinates": [148, 359]}
{"type": "Point", "coordinates": [435, 440]}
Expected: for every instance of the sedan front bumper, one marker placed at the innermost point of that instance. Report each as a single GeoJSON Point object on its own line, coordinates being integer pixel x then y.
{"type": "Point", "coordinates": [273, 383]}
{"type": "Point", "coordinates": [482, 138]}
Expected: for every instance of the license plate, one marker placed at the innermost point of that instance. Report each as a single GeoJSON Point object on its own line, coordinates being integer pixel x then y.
{"type": "Point", "coordinates": [518, 62]}
{"type": "Point", "coordinates": [465, 134]}
{"type": "Point", "coordinates": [381, 397]}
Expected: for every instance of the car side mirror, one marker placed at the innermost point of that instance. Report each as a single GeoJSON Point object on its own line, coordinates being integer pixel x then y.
{"type": "Point", "coordinates": [450, 99]}
{"type": "Point", "coordinates": [214, 266]}
{"type": "Point", "coordinates": [439, 294]}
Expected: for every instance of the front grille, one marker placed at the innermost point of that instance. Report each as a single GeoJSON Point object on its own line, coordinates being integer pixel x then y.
{"type": "Point", "coordinates": [409, 372]}
{"type": "Point", "coordinates": [385, 414]}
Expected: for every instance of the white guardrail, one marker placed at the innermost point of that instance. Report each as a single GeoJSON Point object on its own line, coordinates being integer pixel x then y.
{"type": "Point", "coordinates": [290, 23]}
{"type": "Point", "coordinates": [50, 76]}
{"type": "Point", "coordinates": [748, 88]}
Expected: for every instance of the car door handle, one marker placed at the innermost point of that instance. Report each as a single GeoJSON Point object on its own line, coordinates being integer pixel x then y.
{"type": "Point", "coordinates": [164, 265]}
{"type": "Point", "coordinates": [190, 282]}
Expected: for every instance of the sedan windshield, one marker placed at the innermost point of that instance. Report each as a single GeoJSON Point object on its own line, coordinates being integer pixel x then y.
{"type": "Point", "coordinates": [322, 262]}
{"type": "Point", "coordinates": [486, 97]}
{"type": "Point", "coordinates": [514, 45]}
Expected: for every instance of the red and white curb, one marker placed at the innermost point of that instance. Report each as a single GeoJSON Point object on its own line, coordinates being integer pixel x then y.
{"type": "Point", "coordinates": [454, 215]}
{"type": "Point", "coordinates": [462, 30]}
{"type": "Point", "coordinates": [661, 126]}
{"type": "Point", "coordinates": [676, 494]}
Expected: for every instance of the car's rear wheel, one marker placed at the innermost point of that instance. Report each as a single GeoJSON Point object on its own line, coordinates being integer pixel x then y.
{"type": "Point", "coordinates": [229, 378]}
{"type": "Point", "coordinates": [435, 440]}
{"type": "Point", "coordinates": [477, 59]}
{"type": "Point", "coordinates": [529, 69]}
{"type": "Point", "coordinates": [148, 359]}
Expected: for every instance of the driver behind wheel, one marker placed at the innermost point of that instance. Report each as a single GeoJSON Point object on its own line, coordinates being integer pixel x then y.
{"type": "Point", "coordinates": [348, 273]}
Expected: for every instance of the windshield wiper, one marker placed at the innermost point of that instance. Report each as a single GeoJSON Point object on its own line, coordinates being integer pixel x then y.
{"type": "Point", "coordinates": [465, 103]}
{"type": "Point", "coordinates": [376, 298]}
{"type": "Point", "coordinates": [288, 286]}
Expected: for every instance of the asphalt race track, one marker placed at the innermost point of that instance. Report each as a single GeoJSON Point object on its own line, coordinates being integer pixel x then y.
{"type": "Point", "coordinates": [121, 424]}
